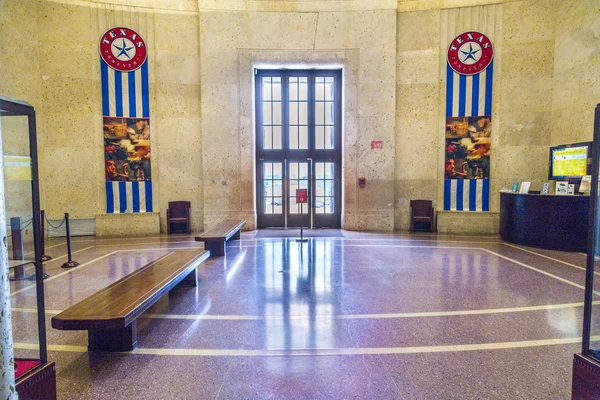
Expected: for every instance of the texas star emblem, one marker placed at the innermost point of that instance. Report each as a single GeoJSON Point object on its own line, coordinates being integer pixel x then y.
{"type": "Point", "coordinates": [470, 53]}
{"type": "Point", "coordinates": [123, 49]}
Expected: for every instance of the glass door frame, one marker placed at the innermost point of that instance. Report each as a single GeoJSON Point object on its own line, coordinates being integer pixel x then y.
{"type": "Point", "coordinates": [593, 245]}
{"type": "Point", "coordinates": [11, 108]}
{"type": "Point", "coordinates": [310, 155]}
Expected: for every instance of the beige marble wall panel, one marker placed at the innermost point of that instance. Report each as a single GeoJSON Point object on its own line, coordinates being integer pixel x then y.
{"type": "Point", "coordinates": [127, 225]}
{"type": "Point", "coordinates": [576, 66]}
{"type": "Point", "coordinates": [480, 223]}
{"type": "Point", "coordinates": [525, 123]}
{"type": "Point", "coordinates": [281, 30]}
{"type": "Point", "coordinates": [177, 115]}
{"type": "Point", "coordinates": [417, 111]}
{"type": "Point", "coordinates": [417, 146]}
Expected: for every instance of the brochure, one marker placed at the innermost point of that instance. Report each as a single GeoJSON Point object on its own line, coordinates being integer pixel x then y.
{"type": "Point", "coordinates": [562, 187]}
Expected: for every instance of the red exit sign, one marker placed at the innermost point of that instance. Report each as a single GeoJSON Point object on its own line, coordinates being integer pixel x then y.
{"type": "Point", "coordinates": [377, 144]}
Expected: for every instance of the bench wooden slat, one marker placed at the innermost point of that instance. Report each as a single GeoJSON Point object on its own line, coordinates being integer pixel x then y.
{"type": "Point", "coordinates": [223, 231]}
{"type": "Point", "coordinates": [119, 304]}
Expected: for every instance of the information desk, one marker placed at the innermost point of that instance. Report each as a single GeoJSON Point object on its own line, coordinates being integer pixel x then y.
{"type": "Point", "coordinates": [545, 221]}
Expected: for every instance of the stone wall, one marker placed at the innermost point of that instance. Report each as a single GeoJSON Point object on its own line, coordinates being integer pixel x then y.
{"type": "Point", "coordinates": [202, 56]}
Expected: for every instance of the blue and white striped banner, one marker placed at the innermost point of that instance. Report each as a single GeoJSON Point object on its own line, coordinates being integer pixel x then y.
{"type": "Point", "coordinates": [128, 197]}
{"type": "Point", "coordinates": [467, 195]}
{"type": "Point", "coordinates": [469, 95]}
{"type": "Point", "coordinates": [125, 94]}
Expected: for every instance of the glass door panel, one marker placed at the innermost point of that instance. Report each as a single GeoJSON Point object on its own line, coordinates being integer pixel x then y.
{"type": "Point", "coordinates": [326, 199]}
{"type": "Point", "coordinates": [272, 210]}
{"type": "Point", "coordinates": [299, 178]}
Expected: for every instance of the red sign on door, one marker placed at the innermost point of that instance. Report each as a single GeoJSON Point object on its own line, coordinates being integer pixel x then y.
{"type": "Point", "coordinates": [301, 196]}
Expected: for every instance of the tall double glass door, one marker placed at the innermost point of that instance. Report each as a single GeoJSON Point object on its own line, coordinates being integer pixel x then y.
{"type": "Point", "coordinates": [298, 126]}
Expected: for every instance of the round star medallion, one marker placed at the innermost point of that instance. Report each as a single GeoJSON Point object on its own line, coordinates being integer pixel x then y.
{"type": "Point", "coordinates": [123, 49]}
{"type": "Point", "coordinates": [470, 53]}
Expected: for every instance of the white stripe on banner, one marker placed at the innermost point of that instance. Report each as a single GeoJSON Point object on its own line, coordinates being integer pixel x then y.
{"type": "Point", "coordinates": [129, 197]}
{"type": "Point", "coordinates": [138, 93]}
{"type": "Point", "coordinates": [453, 188]}
{"type": "Point", "coordinates": [479, 195]}
{"type": "Point", "coordinates": [125, 86]}
{"type": "Point", "coordinates": [142, 196]}
{"type": "Point", "coordinates": [469, 97]}
{"type": "Point", "coordinates": [482, 92]}
{"type": "Point", "coordinates": [455, 96]}
{"type": "Point", "coordinates": [466, 192]}
{"type": "Point", "coordinates": [117, 205]}
{"type": "Point", "coordinates": [112, 106]}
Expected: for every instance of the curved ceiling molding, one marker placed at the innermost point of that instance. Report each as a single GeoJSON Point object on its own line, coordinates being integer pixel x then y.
{"type": "Point", "coordinates": [297, 5]}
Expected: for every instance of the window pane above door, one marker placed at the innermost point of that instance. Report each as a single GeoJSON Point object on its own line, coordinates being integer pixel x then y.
{"type": "Point", "coordinates": [271, 113]}
{"type": "Point", "coordinates": [298, 113]}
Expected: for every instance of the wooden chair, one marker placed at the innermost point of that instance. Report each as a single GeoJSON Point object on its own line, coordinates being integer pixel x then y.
{"type": "Point", "coordinates": [421, 211]}
{"type": "Point", "coordinates": [179, 213]}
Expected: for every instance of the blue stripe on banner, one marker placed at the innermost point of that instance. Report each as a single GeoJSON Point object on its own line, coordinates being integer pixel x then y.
{"type": "Point", "coordinates": [135, 192]}
{"type": "Point", "coordinates": [148, 196]}
{"type": "Point", "coordinates": [462, 95]}
{"type": "Point", "coordinates": [488, 88]}
{"type": "Point", "coordinates": [118, 94]}
{"type": "Point", "coordinates": [122, 197]}
{"type": "Point", "coordinates": [104, 80]}
{"type": "Point", "coordinates": [449, 90]}
{"type": "Point", "coordinates": [473, 195]}
{"type": "Point", "coordinates": [132, 99]}
{"type": "Point", "coordinates": [475, 101]}
{"type": "Point", "coordinates": [110, 204]}
{"type": "Point", "coordinates": [459, 194]}
{"type": "Point", "coordinates": [447, 188]}
{"type": "Point", "coordinates": [485, 196]}
{"type": "Point", "coordinates": [145, 94]}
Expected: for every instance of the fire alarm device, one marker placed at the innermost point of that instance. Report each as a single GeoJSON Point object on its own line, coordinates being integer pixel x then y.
{"type": "Point", "coordinates": [362, 182]}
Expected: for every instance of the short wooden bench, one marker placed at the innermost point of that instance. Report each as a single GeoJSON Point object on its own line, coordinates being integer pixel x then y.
{"type": "Point", "coordinates": [214, 239]}
{"type": "Point", "coordinates": [110, 315]}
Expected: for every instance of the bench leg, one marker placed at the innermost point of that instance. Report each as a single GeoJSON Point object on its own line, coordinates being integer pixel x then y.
{"type": "Point", "coordinates": [215, 248]}
{"type": "Point", "coordinates": [190, 280]}
{"type": "Point", "coordinates": [113, 340]}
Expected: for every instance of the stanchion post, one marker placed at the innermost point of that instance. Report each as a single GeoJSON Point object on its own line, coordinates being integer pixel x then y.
{"type": "Point", "coordinates": [70, 263]}
{"type": "Point", "coordinates": [16, 236]}
{"type": "Point", "coordinates": [45, 257]}
{"type": "Point", "coordinates": [301, 240]}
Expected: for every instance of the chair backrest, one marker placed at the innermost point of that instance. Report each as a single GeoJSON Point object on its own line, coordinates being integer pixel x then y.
{"type": "Point", "coordinates": [179, 209]}
{"type": "Point", "coordinates": [421, 208]}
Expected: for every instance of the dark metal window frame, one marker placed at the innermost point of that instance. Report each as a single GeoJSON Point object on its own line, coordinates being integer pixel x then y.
{"type": "Point", "coordinates": [286, 155]}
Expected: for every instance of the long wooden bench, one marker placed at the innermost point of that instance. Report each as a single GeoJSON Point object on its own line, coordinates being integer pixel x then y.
{"type": "Point", "coordinates": [110, 315]}
{"type": "Point", "coordinates": [214, 239]}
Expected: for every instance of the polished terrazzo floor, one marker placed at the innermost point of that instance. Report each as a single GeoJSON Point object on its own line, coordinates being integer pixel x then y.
{"type": "Point", "coordinates": [357, 315]}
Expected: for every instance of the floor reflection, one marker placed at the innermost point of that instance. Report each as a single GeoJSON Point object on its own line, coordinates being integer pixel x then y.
{"type": "Point", "coordinates": [299, 291]}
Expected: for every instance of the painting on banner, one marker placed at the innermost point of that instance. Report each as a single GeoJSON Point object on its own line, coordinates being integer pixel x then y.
{"type": "Point", "coordinates": [127, 149]}
{"type": "Point", "coordinates": [468, 146]}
